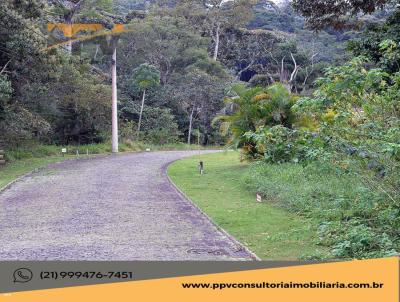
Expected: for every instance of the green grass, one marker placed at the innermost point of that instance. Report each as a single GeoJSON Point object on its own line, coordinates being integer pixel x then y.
{"type": "Point", "coordinates": [268, 230]}
{"type": "Point", "coordinates": [355, 219]}
{"type": "Point", "coordinates": [18, 168]}
{"type": "Point", "coordinates": [317, 190]}
{"type": "Point", "coordinates": [40, 151]}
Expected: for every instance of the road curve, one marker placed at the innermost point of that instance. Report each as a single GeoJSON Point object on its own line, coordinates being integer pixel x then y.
{"type": "Point", "coordinates": [108, 208]}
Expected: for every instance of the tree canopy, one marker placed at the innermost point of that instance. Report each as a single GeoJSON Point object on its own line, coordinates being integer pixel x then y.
{"type": "Point", "coordinates": [321, 13]}
{"type": "Point", "coordinates": [146, 76]}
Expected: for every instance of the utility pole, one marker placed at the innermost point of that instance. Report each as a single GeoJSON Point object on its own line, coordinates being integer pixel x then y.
{"type": "Point", "coordinates": [114, 135]}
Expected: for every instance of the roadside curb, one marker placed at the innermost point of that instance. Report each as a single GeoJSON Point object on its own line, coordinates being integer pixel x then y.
{"type": "Point", "coordinates": [223, 231]}
{"type": "Point", "coordinates": [7, 186]}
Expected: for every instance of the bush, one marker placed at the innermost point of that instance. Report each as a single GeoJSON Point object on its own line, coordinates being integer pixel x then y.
{"type": "Point", "coordinates": [128, 130]}
{"type": "Point", "coordinates": [20, 127]}
{"type": "Point", "coordinates": [359, 122]}
{"type": "Point", "coordinates": [279, 144]}
{"type": "Point", "coordinates": [159, 127]}
{"type": "Point", "coordinates": [356, 240]}
{"type": "Point", "coordinates": [5, 94]}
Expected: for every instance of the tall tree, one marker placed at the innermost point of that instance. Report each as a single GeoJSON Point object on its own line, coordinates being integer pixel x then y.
{"type": "Point", "coordinates": [20, 39]}
{"type": "Point", "coordinates": [145, 77]}
{"type": "Point", "coordinates": [243, 50]}
{"type": "Point", "coordinates": [159, 41]}
{"type": "Point", "coordinates": [20, 61]}
{"type": "Point", "coordinates": [217, 16]}
{"type": "Point", "coordinates": [200, 97]}
{"type": "Point", "coordinates": [322, 13]}
{"type": "Point", "coordinates": [377, 39]}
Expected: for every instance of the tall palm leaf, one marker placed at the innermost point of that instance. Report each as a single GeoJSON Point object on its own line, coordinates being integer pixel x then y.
{"type": "Point", "coordinates": [248, 109]}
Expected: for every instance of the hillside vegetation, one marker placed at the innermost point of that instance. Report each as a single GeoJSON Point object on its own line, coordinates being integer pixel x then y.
{"type": "Point", "coordinates": [308, 92]}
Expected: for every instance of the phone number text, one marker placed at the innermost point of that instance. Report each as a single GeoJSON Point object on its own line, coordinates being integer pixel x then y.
{"type": "Point", "coordinates": [86, 275]}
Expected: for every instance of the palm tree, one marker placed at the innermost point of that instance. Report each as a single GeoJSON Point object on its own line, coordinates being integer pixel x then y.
{"type": "Point", "coordinates": [145, 77]}
{"type": "Point", "coordinates": [251, 108]}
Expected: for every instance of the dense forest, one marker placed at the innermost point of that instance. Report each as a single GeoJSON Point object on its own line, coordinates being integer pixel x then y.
{"type": "Point", "coordinates": [287, 84]}
{"type": "Point", "coordinates": [61, 95]}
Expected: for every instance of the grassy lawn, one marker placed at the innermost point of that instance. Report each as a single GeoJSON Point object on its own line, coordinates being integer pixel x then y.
{"type": "Point", "coordinates": [269, 231]}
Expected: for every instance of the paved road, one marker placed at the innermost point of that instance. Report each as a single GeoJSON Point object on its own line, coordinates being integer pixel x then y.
{"type": "Point", "coordinates": [111, 208]}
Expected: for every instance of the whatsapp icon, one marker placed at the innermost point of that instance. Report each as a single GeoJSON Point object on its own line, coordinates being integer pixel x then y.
{"type": "Point", "coordinates": [22, 275]}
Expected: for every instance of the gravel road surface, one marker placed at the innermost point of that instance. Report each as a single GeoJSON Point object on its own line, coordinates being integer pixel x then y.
{"type": "Point", "coordinates": [108, 208]}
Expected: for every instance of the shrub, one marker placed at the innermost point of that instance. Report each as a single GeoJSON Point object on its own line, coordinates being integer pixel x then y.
{"type": "Point", "coordinates": [359, 122]}
{"type": "Point", "coordinates": [356, 240]}
{"type": "Point", "coordinates": [159, 127]}
{"type": "Point", "coordinates": [251, 111]}
{"type": "Point", "coordinates": [279, 144]}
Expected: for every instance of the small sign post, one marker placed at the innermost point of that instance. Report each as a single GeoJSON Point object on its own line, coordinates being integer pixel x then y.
{"type": "Point", "coordinates": [201, 163]}
{"type": "Point", "coordinates": [63, 151]}
{"type": "Point", "coordinates": [201, 167]}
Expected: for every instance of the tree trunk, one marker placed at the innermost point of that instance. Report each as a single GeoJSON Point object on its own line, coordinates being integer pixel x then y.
{"type": "Point", "coordinates": [239, 75]}
{"type": "Point", "coordinates": [68, 46]}
{"type": "Point", "coordinates": [190, 126]}
{"type": "Point", "coordinates": [217, 41]}
{"type": "Point", "coordinates": [141, 113]}
{"type": "Point", "coordinates": [97, 51]}
{"type": "Point", "coordinates": [114, 99]}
